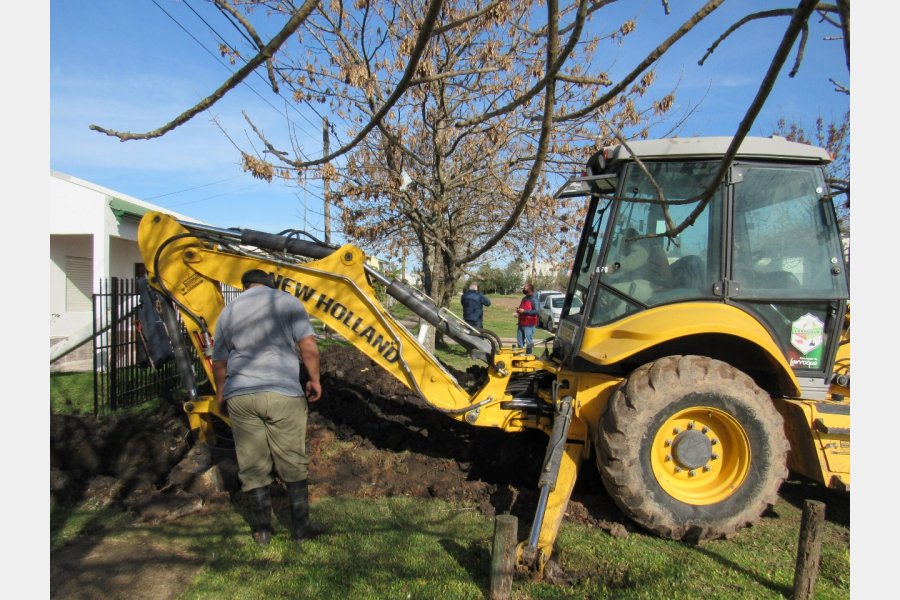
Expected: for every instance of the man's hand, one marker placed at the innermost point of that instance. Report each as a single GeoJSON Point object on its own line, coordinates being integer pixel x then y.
{"type": "Point", "coordinates": [222, 404]}
{"type": "Point", "coordinates": [220, 373]}
{"type": "Point", "coordinates": [313, 391]}
{"type": "Point", "coordinates": [309, 353]}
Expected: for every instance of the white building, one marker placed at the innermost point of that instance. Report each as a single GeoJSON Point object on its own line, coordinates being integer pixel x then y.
{"type": "Point", "coordinates": [93, 233]}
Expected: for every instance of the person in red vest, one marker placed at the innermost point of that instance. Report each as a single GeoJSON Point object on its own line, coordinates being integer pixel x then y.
{"type": "Point", "coordinates": [528, 318]}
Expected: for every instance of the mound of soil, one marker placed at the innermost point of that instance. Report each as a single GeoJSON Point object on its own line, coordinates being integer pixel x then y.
{"type": "Point", "coordinates": [369, 436]}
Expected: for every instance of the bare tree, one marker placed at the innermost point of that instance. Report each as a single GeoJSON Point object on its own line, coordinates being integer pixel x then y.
{"type": "Point", "coordinates": [445, 183]}
{"type": "Point", "coordinates": [477, 102]}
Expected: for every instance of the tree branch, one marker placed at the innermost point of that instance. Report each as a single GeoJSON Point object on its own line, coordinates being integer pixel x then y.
{"type": "Point", "coordinates": [650, 59]}
{"type": "Point", "coordinates": [780, 12]}
{"type": "Point", "coordinates": [798, 22]}
{"type": "Point", "coordinates": [266, 53]}
{"type": "Point", "coordinates": [222, 5]}
{"type": "Point", "coordinates": [428, 24]}
{"type": "Point", "coordinates": [543, 141]}
{"type": "Point", "coordinates": [469, 17]}
{"type": "Point", "coordinates": [550, 75]}
{"type": "Point", "coordinates": [844, 10]}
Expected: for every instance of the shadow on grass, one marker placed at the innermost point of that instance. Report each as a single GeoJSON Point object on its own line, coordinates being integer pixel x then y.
{"type": "Point", "coordinates": [733, 566]}
{"type": "Point", "coordinates": [837, 504]}
{"type": "Point", "coordinates": [366, 550]}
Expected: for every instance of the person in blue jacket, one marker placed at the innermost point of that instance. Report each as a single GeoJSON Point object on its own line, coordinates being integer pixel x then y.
{"type": "Point", "coordinates": [473, 303]}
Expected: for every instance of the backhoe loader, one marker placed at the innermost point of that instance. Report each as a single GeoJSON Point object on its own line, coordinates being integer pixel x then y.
{"type": "Point", "coordinates": [701, 363]}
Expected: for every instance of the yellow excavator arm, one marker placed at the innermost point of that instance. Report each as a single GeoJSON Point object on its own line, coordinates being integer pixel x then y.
{"type": "Point", "coordinates": [190, 265]}
{"type": "Point", "coordinates": [190, 268]}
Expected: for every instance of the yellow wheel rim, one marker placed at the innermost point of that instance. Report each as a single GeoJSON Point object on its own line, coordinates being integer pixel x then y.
{"type": "Point", "coordinates": [700, 455]}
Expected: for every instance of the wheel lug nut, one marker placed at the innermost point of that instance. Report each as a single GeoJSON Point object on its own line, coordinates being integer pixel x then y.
{"type": "Point", "coordinates": [678, 469]}
{"type": "Point", "coordinates": [714, 457]}
{"type": "Point", "coordinates": [713, 442]}
{"type": "Point", "coordinates": [692, 473]}
{"type": "Point", "coordinates": [691, 425]}
{"type": "Point", "coordinates": [668, 443]}
{"type": "Point", "coordinates": [705, 469]}
{"type": "Point", "coordinates": [676, 431]}
{"type": "Point", "coordinates": [668, 457]}
{"type": "Point", "coordinates": [705, 429]}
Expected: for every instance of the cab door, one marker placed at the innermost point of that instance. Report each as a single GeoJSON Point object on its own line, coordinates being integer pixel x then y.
{"type": "Point", "coordinates": [786, 266]}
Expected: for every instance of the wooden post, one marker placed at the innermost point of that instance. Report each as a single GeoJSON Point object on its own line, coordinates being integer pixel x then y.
{"type": "Point", "coordinates": [503, 557]}
{"type": "Point", "coordinates": [809, 549]}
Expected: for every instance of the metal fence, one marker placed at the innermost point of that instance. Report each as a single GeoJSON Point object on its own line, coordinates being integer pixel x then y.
{"type": "Point", "coordinates": [122, 376]}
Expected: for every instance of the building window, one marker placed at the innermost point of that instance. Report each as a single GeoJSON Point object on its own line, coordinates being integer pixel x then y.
{"type": "Point", "coordinates": [79, 274]}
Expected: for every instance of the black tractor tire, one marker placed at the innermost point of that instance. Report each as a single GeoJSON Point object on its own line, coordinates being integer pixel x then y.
{"type": "Point", "coordinates": [701, 399]}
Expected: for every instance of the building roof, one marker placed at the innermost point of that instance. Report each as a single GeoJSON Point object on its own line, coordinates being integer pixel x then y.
{"type": "Point", "coordinates": [122, 204]}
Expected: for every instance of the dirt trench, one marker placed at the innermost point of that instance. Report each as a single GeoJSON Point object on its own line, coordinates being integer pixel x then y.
{"type": "Point", "coordinates": [368, 437]}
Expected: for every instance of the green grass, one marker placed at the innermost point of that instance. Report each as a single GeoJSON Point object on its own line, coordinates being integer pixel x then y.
{"type": "Point", "coordinates": [499, 319]}
{"type": "Point", "coordinates": [414, 548]}
{"type": "Point", "coordinates": [455, 356]}
{"type": "Point", "coordinates": [72, 393]}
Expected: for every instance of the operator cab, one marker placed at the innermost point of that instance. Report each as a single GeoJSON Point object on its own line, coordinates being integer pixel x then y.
{"type": "Point", "coordinates": [766, 240]}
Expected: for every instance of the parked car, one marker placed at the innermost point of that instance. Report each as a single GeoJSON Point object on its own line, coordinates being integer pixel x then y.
{"type": "Point", "coordinates": [541, 295]}
{"type": "Point", "coordinates": [551, 309]}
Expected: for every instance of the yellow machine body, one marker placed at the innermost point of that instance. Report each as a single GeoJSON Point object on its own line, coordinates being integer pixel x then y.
{"type": "Point", "coordinates": [695, 454]}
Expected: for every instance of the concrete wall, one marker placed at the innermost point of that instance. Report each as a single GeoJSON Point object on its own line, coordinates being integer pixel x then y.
{"type": "Point", "coordinates": [83, 224]}
{"type": "Point", "coordinates": [62, 246]}
{"type": "Point", "coordinates": [123, 254]}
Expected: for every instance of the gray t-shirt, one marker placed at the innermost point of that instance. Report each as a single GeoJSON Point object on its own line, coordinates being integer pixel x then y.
{"type": "Point", "coordinates": [257, 334]}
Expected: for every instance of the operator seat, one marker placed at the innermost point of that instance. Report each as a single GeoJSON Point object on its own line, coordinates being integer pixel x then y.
{"type": "Point", "coordinates": [688, 272]}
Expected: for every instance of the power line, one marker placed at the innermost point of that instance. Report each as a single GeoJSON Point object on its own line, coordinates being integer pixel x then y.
{"type": "Point", "coordinates": [217, 59]}
{"type": "Point", "coordinates": [252, 185]}
{"type": "Point", "coordinates": [194, 188]}
{"type": "Point", "coordinates": [233, 49]}
{"type": "Point", "coordinates": [243, 34]}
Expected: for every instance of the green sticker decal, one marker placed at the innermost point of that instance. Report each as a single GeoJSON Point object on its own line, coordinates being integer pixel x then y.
{"type": "Point", "coordinates": [807, 335]}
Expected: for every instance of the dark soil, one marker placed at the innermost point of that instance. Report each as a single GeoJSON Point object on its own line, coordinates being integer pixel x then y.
{"type": "Point", "coordinates": [369, 436]}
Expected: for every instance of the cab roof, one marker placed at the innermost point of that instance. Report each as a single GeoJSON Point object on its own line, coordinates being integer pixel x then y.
{"type": "Point", "coordinates": [771, 148]}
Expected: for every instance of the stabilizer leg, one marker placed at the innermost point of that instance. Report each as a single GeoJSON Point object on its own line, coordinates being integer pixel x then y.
{"type": "Point", "coordinates": [561, 462]}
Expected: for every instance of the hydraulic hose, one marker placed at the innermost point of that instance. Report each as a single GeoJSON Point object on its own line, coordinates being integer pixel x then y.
{"type": "Point", "coordinates": [396, 289]}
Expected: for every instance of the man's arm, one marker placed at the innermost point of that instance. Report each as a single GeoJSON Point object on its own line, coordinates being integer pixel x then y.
{"type": "Point", "coordinates": [485, 300]}
{"type": "Point", "coordinates": [220, 372]}
{"type": "Point", "coordinates": [309, 354]}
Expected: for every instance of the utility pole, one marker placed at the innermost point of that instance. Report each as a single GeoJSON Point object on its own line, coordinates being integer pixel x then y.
{"type": "Point", "coordinates": [325, 185]}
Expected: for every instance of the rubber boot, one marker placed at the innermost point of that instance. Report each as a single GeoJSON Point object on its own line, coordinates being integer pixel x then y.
{"type": "Point", "coordinates": [298, 496]}
{"type": "Point", "coordinates": [261, 514]}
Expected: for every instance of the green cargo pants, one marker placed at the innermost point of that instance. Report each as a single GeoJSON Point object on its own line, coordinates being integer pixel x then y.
{"type": "Point", "coordinates": [269, 427]}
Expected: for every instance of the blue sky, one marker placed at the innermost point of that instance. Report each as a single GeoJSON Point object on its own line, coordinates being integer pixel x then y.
{"type": "Point", "coordinates": [133, 65]}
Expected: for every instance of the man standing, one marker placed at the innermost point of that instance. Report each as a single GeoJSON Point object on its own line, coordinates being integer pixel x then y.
{"type": "Point", "coordinates": [473, 303]}
{"type": "Point", "coordinates": [257, 376]}
{"type": "Point", "coordinates": [528, 318]}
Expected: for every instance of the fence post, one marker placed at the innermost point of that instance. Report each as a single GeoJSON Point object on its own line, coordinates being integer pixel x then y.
{"type": "Point", "coordinates": [503, 557]}
{"type": "Point", "coordinates": [113, 342]}
{"type": "Point", "coordinates": [95, 350]}
{"type": "Point", "coordinates": [809, 549]}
